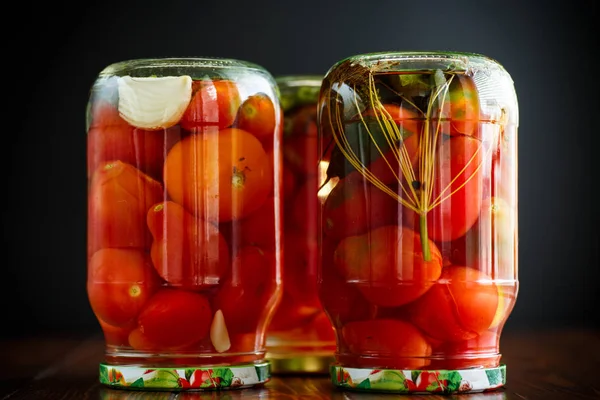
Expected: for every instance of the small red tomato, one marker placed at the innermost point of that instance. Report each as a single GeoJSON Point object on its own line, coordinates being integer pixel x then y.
{"type": "Point", "coordinates": [388, 265]}
{"type": "Point", "coordinates": [111, 138]}
{"type": "Point", "coordinates": [460, 306]}
{"type": "Point", "coordinates": [387, 343]}
{"type": "Point", "coordinates": [457, 189]}
{"type": "Point", "coordinates": [250, 292]}
{"type": "Point", "coordinates": [341, 299]}
{"type": "Point", "coordinates": [139, 341]}
{"type": "Point", "coordinates": [119, 198]}
{"type": "Point", "coordinates": [464, 106]}
{"type": "Point", "coordinates": [120, 282]}
{"type": "Point", "coordinates": [291, 314]}
{"type": "Point", "coordinates": [214, 103]}
{"type": "Point", "coordinates": [409, 120]}
{"type": "Point", "coordinates": [186, 251]}
{"type": "Point", "coordinates": [490, 245]}
{"type": "Point", "coordinates": [387, 169]}
{"type": "Point", "coordinates": [116, 335]}
{"type": "Point", "coordinates": [257, 115]}
{"type": "Point", "coordinates": [478, 352]}
{"type": "Point", "coordinates": [174, 318]}
{"type": "Point", "coordinates": [354, 206]}
{"type": "Point", "coordinates": [258, 228]}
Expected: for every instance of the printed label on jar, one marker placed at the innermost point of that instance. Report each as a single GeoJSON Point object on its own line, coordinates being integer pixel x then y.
{"type": "Point", "coordinates": [419, 381]}
{"type": "Point", "coordinates": [204, 378]}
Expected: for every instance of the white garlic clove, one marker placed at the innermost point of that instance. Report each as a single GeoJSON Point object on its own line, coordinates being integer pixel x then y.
{"type": "Point", "coordinates": [218, 333]}
{"type": "Point", "coordinates": [153, 102]}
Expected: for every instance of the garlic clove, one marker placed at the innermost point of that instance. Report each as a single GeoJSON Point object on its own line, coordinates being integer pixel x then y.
{"type": "Point", "coordinates": [154, 102]}
{"type": "Point", "coordinates": [218, 333]}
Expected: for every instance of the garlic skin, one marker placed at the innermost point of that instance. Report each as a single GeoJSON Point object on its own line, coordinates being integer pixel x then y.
{"type": "Point", "coordinates": [218, 333]}
{"type": "Point", "coordinates": [154, 102]}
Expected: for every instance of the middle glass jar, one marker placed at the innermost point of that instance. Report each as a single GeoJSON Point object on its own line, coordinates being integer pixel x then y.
{"type": "Point", "coordinates": [300, 338]}
{"type": "Point", "coordinates": [184, 169]}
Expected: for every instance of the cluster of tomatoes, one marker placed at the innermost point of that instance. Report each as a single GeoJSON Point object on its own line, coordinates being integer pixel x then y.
{"type": "Point", "coordinates": [181, 222]}
{"type": "Point", "coordinates": [300, 314]}
{"type": "Point", "coordinates": [396, 302]}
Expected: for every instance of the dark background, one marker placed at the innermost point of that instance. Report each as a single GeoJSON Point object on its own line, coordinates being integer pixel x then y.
{"type": "Point", "coordinates": [546, 48]}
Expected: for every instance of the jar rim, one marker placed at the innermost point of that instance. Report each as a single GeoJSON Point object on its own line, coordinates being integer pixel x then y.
{"type": "Point", "coordinates": [119, 67]}
{"type": "Point", "coordinates": [299, 80]}
{"type": "Point", "coordinates": [446, 59]}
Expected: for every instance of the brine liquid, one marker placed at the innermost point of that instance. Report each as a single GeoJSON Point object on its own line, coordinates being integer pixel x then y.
{"type": "Point", "coordinates": [418, 225]}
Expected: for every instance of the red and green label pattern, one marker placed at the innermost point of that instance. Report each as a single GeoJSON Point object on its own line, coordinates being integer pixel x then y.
{"type": "Point", "coordinates": [419, 381]}
{"type": "Point", "coordinates": [174, 379]}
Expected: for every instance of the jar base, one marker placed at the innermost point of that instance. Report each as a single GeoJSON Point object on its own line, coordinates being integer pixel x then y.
{"type": "Point", "coordinates": [418, 381]}
{"type": "Point", "coordinates": [204, 378]}
{"type": "Point", "coordinates": [305, 362]}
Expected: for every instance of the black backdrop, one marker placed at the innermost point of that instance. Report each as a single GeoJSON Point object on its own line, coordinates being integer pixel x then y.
{"type": "Point", "coordinates": [53, 58]}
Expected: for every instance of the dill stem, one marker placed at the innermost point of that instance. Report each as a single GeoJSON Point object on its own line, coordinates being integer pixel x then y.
{"type": "Point", "coordinates": [424, 236]}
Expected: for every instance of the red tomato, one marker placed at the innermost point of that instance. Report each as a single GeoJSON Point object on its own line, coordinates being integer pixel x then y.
{"type": "Point", "coordinates": [406, 118]}
{"type": "Point", "coordinates": [387, 265]}
{"type": "Point", "coordinates": [174, 318]}
{"type": "Point", "coordinates": [120, 282]}
{"type": "Point", "coordinates": [119, 198]}
{"type": "Point", "coordinates": [251, 291]}
{"type": "Point", "coordinates": [111, 138]}
{"type": "Point", "coordinates": [116, 335]}
{"type": "Point", "coordinates": [354, 206]}
{"type": "Point", "coordinates": [490, 246]}
{"type": "Point", "coordinates": [290, 314]}
{"type": "Point", "coordinates": [458, 185]}
{"type": "Point", "coordinates": [398, 344]}
{"type": "Point", "coordinates": [303, 213]}
{"type": "Point", "coordinates": [139, 341]}
{"type": "Point", "coordinates": [387, 168]}
{"type": "Point", "coordinates": [258, 228]}
{"type": "Point", "coordinates": [186, 251]}
{"type": "Point", "coordinates": [478, 352]}
{"type": "Point", "coordinates": [464, 106]}
{"type": "Point", "coordinates": [214, 103]}
{"type": "Point", "coordinates": [257, 115]}
{"type": "Point", "coordinates": [341, 300]}
{"type": "Point", "coordinates": [219, 175]}
{"type": "Point", "coordinates": [459, 307]}
{"type": "Point", "coordinates": [300, 268]}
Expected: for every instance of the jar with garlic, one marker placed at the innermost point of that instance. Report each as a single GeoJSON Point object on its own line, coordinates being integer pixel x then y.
{"type": "Point", "coordinates": [183, 160]}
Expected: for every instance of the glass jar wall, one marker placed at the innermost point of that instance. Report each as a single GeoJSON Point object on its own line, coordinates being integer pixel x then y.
{"type": "Point", "coordinates": [418, 223]}
{"type": "Point", "coordinates": [184, 172]}
{"type": "Point", "coordinates": [300, 338]}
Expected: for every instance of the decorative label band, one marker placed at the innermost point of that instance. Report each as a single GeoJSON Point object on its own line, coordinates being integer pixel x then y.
{"type": "Point", "coordinates": [419, 381]}
{"type": "Point", "coordinates": [190, 378]}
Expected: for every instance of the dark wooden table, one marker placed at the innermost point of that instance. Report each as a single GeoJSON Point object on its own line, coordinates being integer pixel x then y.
{"type": "Point", "coordinates": [559, 364]}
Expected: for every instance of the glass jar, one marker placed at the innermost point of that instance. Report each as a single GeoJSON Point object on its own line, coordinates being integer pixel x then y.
{"type": "Point", "coordinates": [418, 223]}
{"type": "Point", "coordinates": [184, 165]}
{"type": "Point", "coordinates": [300, 338]}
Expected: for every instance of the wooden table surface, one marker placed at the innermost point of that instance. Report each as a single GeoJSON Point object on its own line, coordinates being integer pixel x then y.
{"type": "Point", "coordinates": [559, 364]}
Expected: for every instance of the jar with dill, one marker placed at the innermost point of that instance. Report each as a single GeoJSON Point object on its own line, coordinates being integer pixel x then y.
{"type": "Point", "coordinates": [418, 219]}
